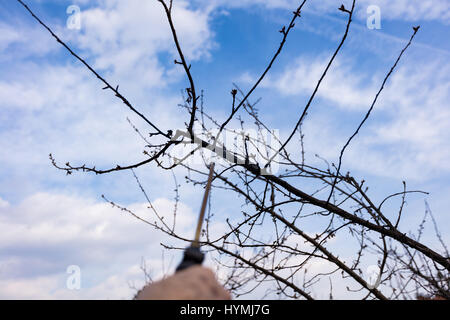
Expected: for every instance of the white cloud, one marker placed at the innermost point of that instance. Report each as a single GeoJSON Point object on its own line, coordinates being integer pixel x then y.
{"type": "Point", "coordinates": [7, 36]}
{"type": "Point", "coordinates": [58, 107]}
{"type": "Point", "coordinates": [18, 40]}
{"type": "Point", "coordinates": [412, 10]}
{"type": "Point", "coordinates": [46, 233]}
{"type": "Point", "coordinates": [62, 110]}
{"type": "Point", "coordinates": [342, 86]}
{"type": "Point", "coordinates": [37, 288]}
{"type": "Point", "coordinates": [3, 203]}
{"type": "Point", "coordinates": [420, 119]}
{"type": "Point", "coordinates": [408, 10]}
{"type": "Point", "coordinates": [408, 131]}
{"type": "Point", "coordinates": [126, 38]}
{"type": "Point", "coordinates": [406, 137]}
{"type": "Point", "coordinates": [55, 107]}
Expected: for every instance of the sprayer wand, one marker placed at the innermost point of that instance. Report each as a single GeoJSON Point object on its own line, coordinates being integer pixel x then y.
{"type": "Point", "coordinates": [192, 254]}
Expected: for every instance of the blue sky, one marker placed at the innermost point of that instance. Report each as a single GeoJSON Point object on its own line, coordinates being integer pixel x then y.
{"type": "Point", "coordinates": [51, 104]}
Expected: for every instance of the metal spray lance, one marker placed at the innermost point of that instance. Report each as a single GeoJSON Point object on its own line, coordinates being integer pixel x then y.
{"type": "Point", "coordinates": [193, 255]}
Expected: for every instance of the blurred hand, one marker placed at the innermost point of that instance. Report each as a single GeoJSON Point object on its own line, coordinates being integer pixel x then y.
{"type": "Point", "coordinates": [195, 283]}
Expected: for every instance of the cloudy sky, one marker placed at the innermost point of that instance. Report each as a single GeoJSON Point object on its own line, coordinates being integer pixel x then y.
{"type": "Point", "coordinates": [51, 104]}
